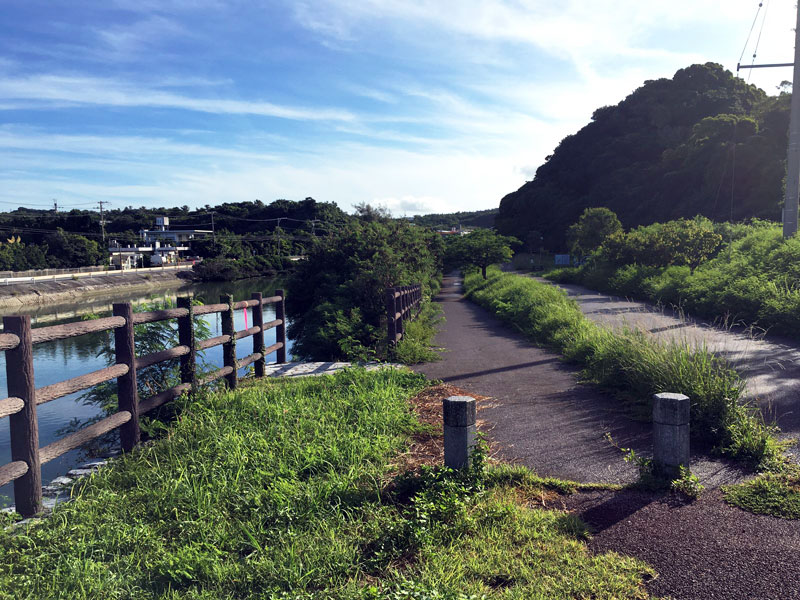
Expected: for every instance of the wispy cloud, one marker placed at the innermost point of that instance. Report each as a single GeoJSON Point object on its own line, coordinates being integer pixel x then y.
{"type": "Point", "coordinates": [62, 89]}
{"type": "Point", "coordinates": [144, 35]}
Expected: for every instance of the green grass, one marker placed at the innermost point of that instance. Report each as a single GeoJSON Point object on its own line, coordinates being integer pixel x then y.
{"type": "Point", "coordinates": [776, 494]}
{"type": "Point", "coordinates": [282, 490]}
{"type": "Point", "coordinates": [416, 345]}
{"type": "Point", "coordinates": [633, 364]}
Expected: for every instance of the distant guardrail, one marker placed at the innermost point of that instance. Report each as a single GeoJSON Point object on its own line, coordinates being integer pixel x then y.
{"type": "Point", "coordinates": [83, 274]}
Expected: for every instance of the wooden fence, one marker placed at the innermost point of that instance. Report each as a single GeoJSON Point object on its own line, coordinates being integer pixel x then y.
{"type": "Point", "coordinates": [18, 339]}
{"type": "Point", "coordinates": [399, 304]}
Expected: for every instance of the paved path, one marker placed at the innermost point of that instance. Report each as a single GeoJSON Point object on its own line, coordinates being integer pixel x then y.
{"type": "Point", "coordinates": [539, 414]}
{"type": "Point", "coordinates": [771, 366]}
{"type": "Point", "coordinates": [307, 369]}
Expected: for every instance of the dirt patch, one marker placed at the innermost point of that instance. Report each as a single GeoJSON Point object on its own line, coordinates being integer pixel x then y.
{"type": "Point", "coordinates": [426, 447]}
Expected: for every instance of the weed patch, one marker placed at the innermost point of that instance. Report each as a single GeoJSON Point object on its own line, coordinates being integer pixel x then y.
{"type": "Point", "coordinates": [776, 494]}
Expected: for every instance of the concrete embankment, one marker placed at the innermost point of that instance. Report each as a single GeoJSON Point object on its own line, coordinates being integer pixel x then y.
{"type": "Point", "coordinates": [52, 292]}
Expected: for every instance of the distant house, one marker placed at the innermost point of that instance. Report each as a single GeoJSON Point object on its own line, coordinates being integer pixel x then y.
{"type": "Point", "coordinates": [162, 244]}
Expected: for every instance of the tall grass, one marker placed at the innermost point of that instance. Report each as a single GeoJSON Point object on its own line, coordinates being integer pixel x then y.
{"type": "Point", "coordinates": [416, 345]}
{"type": "Point", "coordinates": [280, 490]}
{"type": "Point", "coordinates": [632, 363]}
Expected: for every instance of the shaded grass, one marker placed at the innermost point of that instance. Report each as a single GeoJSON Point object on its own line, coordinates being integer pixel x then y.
{"type": "Point", "coordinates": [634, 365]}
{"type": "Point", "coordinates": [279, 490]}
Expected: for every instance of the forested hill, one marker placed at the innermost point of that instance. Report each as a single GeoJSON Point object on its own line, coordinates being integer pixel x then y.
{"type": "Point", "coordinates": [703, 142]}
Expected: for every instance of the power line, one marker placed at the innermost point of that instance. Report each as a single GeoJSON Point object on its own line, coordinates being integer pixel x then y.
{"type": "Point", "coordinates": [752, 27]}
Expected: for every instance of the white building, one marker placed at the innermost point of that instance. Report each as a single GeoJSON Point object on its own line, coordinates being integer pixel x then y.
{"type": "Point", "coordinates": [162, 244]}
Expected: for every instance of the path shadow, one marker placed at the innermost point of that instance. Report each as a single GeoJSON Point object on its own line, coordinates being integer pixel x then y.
{"type": "Point", "coordinates": [502, 369]}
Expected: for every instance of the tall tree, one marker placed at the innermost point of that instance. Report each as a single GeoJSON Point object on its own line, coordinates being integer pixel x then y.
{"type": "Point", "coordinates": [481, 248]}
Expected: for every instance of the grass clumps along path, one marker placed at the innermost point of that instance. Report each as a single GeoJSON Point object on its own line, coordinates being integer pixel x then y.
{"type": "Point", "coordinates": [288, 490]}
{"type": "Point", "coordinates": [634, 365]}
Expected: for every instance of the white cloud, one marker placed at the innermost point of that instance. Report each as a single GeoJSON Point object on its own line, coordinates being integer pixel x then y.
{"type": "Point", "coordinates": [96, 91]}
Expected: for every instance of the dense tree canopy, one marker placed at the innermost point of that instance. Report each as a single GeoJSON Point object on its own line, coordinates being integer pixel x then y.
{"type": "Point", "coordinates": [703, 142]}
{"type": "Point", "coordinates": [683, 242]}
{"type": "Point", "coordinates": [336, 297]}
{"type": "Point", "coordinates": [254, 233]}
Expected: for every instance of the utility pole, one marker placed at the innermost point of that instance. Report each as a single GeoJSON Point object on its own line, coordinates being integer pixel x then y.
{"type": "Point", "coordinates": [213, 231]}
{"type": "Point", "coordinates": [55, 205]}
{"type": "Point", "coordinates": [790, 203]}
{"type": "Point", "coordinates": [102, 221]}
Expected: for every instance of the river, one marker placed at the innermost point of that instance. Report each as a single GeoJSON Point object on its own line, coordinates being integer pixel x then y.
{"type": "Point", "coordinates": [63, 359]}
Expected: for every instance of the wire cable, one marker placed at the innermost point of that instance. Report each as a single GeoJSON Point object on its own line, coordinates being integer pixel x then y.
{"type": "Point", "coordinates": [752, 27]}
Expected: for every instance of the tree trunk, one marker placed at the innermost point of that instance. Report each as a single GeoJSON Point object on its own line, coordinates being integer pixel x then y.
{"type": "Point", "coordinates": [483, 270]}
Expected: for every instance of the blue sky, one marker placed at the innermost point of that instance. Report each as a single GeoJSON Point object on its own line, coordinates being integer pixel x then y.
{"type": "Point", "coordinates": [419, 106]}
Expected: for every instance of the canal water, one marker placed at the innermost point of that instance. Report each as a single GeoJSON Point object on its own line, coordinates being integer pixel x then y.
{"type": "Point", "coordinates": [62, 359]}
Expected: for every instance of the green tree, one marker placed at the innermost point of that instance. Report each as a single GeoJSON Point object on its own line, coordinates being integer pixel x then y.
{"type": "Point", "coordinates": [481, 248]}
{"type": "Point", "coordinates": [591, 230]}
{"type": "Point", "coordinates": [336, 297]}
{"type": "Point", "coordinates": [665, 152]}
{"type": "Point", "coordinates": [71, 250]}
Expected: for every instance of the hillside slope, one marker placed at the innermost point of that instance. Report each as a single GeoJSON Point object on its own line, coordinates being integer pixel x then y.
{"type": "Point", "coordinates": [703, 142]}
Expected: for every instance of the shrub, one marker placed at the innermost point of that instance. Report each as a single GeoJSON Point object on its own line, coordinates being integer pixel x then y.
{"type": "Point", "coordinates": [338, 306]}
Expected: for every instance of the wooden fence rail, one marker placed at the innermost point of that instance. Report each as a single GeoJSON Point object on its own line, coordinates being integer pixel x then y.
{"type": "Point", "coordinates": [399, 304]}
{"type": "Point", "coordinates": [18, 339]}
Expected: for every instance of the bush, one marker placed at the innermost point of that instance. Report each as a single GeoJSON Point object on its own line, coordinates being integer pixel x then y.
{"type": "Point", "coordinates": [337, 296]}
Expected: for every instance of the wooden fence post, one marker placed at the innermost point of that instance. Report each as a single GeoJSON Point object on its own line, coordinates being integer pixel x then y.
{"type": "Point", "coordinates": [258, 338]}
{"type": "Point", "coordinates": [24, 424]}
{"type": "Point", "coordinates": [399, 323]}
{"type": "Point", "coordinates": [229, 348]}
{"type": "Point", "coordinates": [127, 394]}
{"type": "Point", "coordinates": [186, 338]}
{"type": "Point", "coordinates": [391, 311]}
{"type": "Point", "coordinates": [280, 330]}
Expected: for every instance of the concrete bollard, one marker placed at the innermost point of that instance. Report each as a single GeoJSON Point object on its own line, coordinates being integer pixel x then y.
{"type": "Point", "coordinates": [670, 433]}
{"type": "Point", "coordinates": [459, 430]}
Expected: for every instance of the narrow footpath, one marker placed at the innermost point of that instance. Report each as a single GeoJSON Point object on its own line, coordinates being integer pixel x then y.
{"type": "Point", "coordinates": [540, 415]}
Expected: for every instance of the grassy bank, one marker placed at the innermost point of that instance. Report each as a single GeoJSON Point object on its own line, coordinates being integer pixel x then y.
{"type": "Point", "coordinates": [284, 489]}
{"type": "Point", "coordinates": [633, 364]}
{"type": "Point", "coordinates": [752, 279]}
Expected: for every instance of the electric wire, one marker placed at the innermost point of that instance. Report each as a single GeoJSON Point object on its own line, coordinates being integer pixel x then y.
{"type": "Point", "coordinates": [752, 27]}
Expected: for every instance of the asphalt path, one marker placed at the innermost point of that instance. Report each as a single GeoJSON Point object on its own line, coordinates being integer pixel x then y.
{"type": "Point", "coordinates": [539, 413]}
